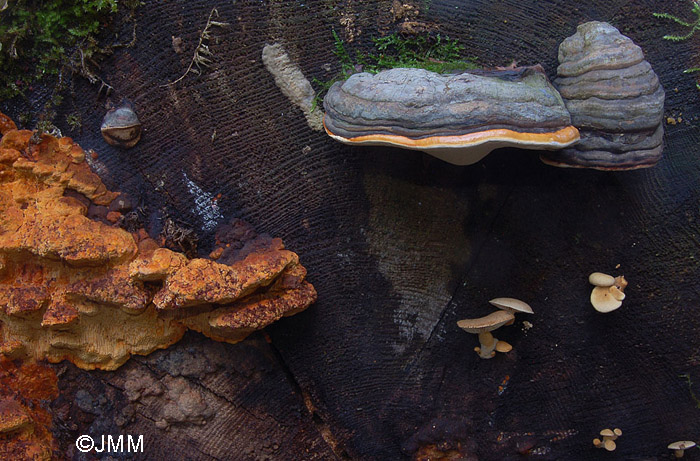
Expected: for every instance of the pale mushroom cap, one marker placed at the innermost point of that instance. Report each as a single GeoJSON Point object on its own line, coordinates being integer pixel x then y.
{"type": "Point", "coordinates": [603, 300]}
{"type": "Point", "coordinates": [607, 433]}
{"type": "Point", "coordinates": [609, 445]}
{"type": "Point", "coordinates": [601, 280]}
{"type": "Point", "coordinates": [617, 431]}
{"type": "Point", "coordinates": [682, 445]}
{"type": "Point", "coordinates": [487, 323]}
{"type": "Point", "coordinates": [512, 304]}
{"type": "Point", "coordinates": [502, 346]}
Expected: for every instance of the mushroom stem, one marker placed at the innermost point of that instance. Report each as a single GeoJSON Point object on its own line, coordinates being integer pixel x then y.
{"type": "Point", "coordinates": [678, 453]}
{"type": "Point", "coordinates": [488, 345]}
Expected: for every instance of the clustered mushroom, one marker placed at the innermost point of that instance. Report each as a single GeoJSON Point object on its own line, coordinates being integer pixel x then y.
{"type": "Point", "coordinates": [608, 293]}
{"type": "Point", "coordinates": [488, 345]}
{"type": "Point", "coordinates": [609, 436]}
{"type": "Point", "coordinates": [680, 447]}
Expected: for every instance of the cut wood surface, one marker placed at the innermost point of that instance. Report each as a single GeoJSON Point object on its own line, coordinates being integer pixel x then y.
{"type": "Point", "coordinates": [400, 246]}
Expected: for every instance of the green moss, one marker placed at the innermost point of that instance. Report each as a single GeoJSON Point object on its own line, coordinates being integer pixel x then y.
{"type": "Point", "coordinates": [40, 40]}
{"type": "Point", "coordinates": [692, 25]}
{"type": "Point", "coordinates": [431, 52]}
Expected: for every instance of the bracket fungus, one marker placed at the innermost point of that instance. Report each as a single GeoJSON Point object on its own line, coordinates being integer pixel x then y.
{"type": "Point", "coordinates": [614, 98]}
{"type": "Point", "coordinates": [608, 439]}
{"type": "Point", "coordinates": [680, 447]}
{"type": "Point", "coordinates": [458, 118]}
{"type": "Point", "coordinates": [26, 390]}
{"type": "Point", "coordinates": [488, 345]}
{"type": "Point", "coordinates": [608, 292]}
{"type": "Point", "coordinates": [121, 126]}
{"type": "Point", "coordinates": [80, 288]}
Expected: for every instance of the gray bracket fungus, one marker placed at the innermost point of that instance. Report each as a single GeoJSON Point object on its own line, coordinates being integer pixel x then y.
{"type": "Point", "coordinates": [458, 118]}
{"type": "Point", "coordinates": [608, 92]}
{"type": "Point", "coordinates": [614, 98]}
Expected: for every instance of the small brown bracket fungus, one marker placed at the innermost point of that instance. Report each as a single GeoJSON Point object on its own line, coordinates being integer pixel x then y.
{"type": "Point", "coordinates": [484, 326]}
{"type": "Point", "coordinates": [121, 127]}
{"type": "Point", "coordinates": [458, 118]}
{"type": "Point", "coordinates": [608, 292]}
{"type": "Point", "coordinates": [680, 447]}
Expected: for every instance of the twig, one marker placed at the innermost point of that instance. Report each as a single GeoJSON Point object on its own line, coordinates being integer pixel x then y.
{"type": "Point", "coordinates": [201, 52]}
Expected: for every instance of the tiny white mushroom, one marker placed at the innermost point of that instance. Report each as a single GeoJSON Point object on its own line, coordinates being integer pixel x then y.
{"type": "Point", "coordinates": [601, 280]}
{"type": "Point", "coordinates": [680, 447]}
{"type": "Point", "coordinates": [484, 326]}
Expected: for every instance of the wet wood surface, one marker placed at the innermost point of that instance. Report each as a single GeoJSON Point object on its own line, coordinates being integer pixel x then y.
{"type": "Point", "coordinates": [399, 247]}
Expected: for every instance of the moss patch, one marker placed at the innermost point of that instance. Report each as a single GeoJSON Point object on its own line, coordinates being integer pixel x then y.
{"type": "Point", "coordinates": [432, 52]}
{"type": "Point", "coordinates": [42, 41]}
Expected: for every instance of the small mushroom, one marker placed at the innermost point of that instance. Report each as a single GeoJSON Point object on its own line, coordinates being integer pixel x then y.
{"type": "Point", "coordinates": [680, 447]}
{"type": "Point", "coordinates": [484, 326]}
{"type": "Point", "coordinates": [601, 280]}
{"type": "Point", "coordinates": [608, 292]}
{"type": "Point", "coordinates": [121, 127]}
{"type": "Point", "coordinates": [512, 305]}
{"type": "Point", "coordinates": [608, 442]}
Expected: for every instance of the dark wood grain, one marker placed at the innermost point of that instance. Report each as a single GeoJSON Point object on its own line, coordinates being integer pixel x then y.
{"type": "Point", "coordinates": [400, 246]}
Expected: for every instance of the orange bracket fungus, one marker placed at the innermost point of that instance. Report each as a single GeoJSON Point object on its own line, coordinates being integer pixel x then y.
{"type": "Point", "coordinates": [488, 345]}
{"type": "Point", "coordinates": [614, 98]}
{"type": "Point", "coordinates": [25, 420]}
{"type": "Point", "coordinates": [82, 289]}
{"type": "Point", "coordinates": [458, 118]}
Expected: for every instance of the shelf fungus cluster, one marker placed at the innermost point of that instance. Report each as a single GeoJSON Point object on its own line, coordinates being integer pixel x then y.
{"type": "Point", "coordinates": [607, 439]}
{"type": "Point", "coordinates": [458, 118]}
{"type": "Point", "coordinates": [608, 92]}
{"type": "Point", "coordinates": [77, 287]}
{"type": "Point", "coordinates": [614, 98]}
{"type": "Point", "coordinates": [483, 326]}
{"type": "Point", "coordinates": [608, 292]}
